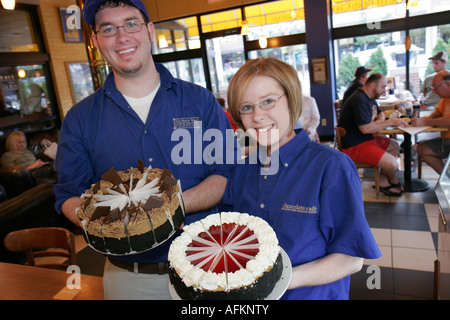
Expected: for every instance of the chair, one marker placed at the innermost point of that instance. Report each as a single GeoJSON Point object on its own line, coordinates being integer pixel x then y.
{"type": "Point", "coordinates": [33, 240]}
{"type": "Point", "coordinates": [337, 109]}
{"type": "Point", "coordinates": [340, 132]}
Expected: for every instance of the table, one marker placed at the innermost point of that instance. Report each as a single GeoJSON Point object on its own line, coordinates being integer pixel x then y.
{"type": "Point", "coordinates": [20, 282]}
{"type": "Point", "coordinates": [410, 184]}
{"type": "Point", "coordinates": [392, 99]}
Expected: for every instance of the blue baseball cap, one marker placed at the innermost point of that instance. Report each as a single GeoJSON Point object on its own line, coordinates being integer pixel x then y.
{"type": "Point", "coordinates": [91, 6]}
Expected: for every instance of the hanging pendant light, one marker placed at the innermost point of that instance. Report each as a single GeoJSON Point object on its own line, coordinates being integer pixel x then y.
{"type": "Point", "coordinates": [245, 29]}
{"type": "Point", "coordinates": [263, 42]}
{"type": "Point", "coordinates": [408, 42]}
{"type": "Point", "coordinates": [9, 4]}
{"type": "Point", "coordinates": [162, 42]}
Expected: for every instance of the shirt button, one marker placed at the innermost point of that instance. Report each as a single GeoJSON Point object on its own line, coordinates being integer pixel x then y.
{"type": "Point", "coordinates": [265, 177]}
{"type": "Point", "coordinates": [262, 205]}
{"type": "Point", "coordinates": [286, 164]}
{"type": "Point", "coordinates": [150, 159]}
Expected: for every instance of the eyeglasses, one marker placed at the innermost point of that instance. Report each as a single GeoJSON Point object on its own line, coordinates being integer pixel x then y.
{"type": "Point", "coordinates": [265, 105]}
{"type": "Point", "coordinates": [109, 30]}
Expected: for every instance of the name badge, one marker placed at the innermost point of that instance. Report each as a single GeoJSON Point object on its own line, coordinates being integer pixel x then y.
{"type": "Point", "coordinates": [186, 123]}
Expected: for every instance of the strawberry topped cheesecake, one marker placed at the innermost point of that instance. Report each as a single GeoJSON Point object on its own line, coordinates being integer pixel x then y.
{"type": "Point", "coordinates": [227, 255]}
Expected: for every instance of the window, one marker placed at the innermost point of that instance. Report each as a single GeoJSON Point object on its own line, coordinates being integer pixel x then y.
{"type": "Point", "coordinates": [274, 19]}
{"type": "Point", "coordinates": [225, 57]}
{"type": "Point", "coordinates": [384, 53]}
{"type": "Point", "coordinates": [27, 97]}
{"type": "Point", "coordinates": [221, 21]}
{"type": "Point", "coordinates": [420, 7]}
{"type": "Point", "coordinates": [427, 42]}
{"type": "Point", "coordinates": [188, 70]}
{"type": "Point", "coordinates": [296, 56]}
{"type": "Point", "coordinates": [16, 32]}
{"type": "Point", "coordinates": [178, 43]}
{"type": "Point", "coordinates": [354, 12]}
{"type": "Point", "coordinates": [24, 95]}
{"type": "Point", "coordinates": [176, 35]}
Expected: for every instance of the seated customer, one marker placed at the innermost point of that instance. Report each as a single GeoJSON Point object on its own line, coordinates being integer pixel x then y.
{"type": "Point", "coordinates": [434, 150]}
{"type": "Point", "coordinates": [361, 117]}
{"type": "Point", "coordinates": [439, 64]}
{"type": "Point", "coordinates": [361, 75]}
{"type": "Point", "coordinates": [17, 154]}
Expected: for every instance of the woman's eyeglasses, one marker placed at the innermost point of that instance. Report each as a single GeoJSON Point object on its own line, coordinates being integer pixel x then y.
{"type": "Point", "coordinates": [265, 105]}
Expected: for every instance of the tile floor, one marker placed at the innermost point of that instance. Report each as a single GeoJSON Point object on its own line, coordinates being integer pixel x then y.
{"type": "Point", "coordinates": [405, 229]}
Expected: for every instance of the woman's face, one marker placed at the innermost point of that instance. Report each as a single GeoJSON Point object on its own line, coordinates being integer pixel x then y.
{"type": "Point", "coordinates": [21, 144]}
{"type": "Point", "coordinates": [271, 127]}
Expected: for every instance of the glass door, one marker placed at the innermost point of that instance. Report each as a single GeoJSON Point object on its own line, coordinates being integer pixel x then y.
{"type": "Point", "coordinates": [225, 56]}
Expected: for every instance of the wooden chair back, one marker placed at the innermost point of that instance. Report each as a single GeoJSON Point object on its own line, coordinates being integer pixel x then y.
{"type": "Point", "coordinates": [34, 241]}
{"type": "Point", "coordinates": [340, 132]}
{"type": "Point", "coordinates": [337, 109]}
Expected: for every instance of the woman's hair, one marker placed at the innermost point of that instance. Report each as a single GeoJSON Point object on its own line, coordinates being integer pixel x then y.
{"type": "Point", "coordinates": [283, 73]}
{"type": "Point", "coordinates": [11, 140]}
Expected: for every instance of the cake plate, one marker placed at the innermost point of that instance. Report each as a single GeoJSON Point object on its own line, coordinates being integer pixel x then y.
{"type": "Point", "coordinates": [277, 292]}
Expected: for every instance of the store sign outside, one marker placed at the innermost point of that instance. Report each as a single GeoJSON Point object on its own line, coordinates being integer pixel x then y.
{"type": "Point", "coordinates": [353, 5]}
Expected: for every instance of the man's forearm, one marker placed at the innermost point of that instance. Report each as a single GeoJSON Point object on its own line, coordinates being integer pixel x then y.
{"type": "Point", "coordinates": [206, 194]}
{"type": "Point", "coordinates": [69, 209]}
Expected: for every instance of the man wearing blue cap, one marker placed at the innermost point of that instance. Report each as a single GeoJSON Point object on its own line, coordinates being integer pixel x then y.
{"type": "Point", "coordinates": [133, 116]}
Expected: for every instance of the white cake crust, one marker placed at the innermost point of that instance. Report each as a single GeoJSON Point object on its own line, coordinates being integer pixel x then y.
{"type": "Point", "coordinates": [200, 279]}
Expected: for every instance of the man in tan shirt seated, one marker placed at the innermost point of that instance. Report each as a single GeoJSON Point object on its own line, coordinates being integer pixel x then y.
{"type": "Point", "coordinates": [433, 151]}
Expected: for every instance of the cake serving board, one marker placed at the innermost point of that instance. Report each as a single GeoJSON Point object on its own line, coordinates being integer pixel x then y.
{"type": "Point", "coordinates": [277, 292]}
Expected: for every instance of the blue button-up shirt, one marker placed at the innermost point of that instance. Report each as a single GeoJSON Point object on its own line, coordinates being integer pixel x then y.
{"type": "Point", "coordinates": [103, 131]}
{"type": "Point", "coordinates": [314, 204]}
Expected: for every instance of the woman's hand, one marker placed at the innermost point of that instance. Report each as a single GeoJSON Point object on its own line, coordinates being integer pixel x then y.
{"type": "Point", "coordinates": [37, 164]}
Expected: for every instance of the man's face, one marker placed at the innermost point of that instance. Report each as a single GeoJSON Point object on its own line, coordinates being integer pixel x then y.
{"type": "Point", "coordinates": [364, 78]}
{"type": "Point", "coordinates": [438, 65]}
{"type": "Point", "coordinates": [379, 88]}
{"type": "Point", "coordinates": [441, 87]}
{"type": "Point", "coordinates": [128, 53]}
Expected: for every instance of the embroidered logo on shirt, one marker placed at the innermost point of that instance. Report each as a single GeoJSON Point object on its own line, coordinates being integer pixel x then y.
{"type": "Point", "coordinates": [185, 123]}
{"type": "Point", "coordinates": [299, 209]}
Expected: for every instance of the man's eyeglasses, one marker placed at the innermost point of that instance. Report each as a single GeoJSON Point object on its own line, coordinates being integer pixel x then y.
{"type": "Point", "coordinates": [109, 30]}
{"type": "Point", "coordinates": [265, 105]}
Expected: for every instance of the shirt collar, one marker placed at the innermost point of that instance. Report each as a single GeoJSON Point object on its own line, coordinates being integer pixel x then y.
{"type": "Point", "coordinates": [291, 150]}
{"type": "Point", "coordinates": [166, 78]}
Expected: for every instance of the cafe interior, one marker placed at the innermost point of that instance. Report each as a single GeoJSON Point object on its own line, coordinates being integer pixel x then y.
{"type": "Point", "coordinates": [48, 63]}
